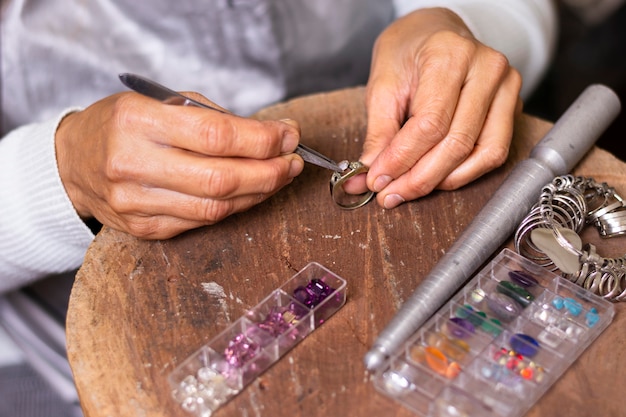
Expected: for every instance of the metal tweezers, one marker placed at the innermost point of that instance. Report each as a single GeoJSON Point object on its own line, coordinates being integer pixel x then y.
{"type": "Point", "coordinates": [157, 91]}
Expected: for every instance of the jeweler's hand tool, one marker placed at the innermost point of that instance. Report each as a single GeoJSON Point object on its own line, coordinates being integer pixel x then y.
{"type": "Point", "coordinates": [157, 91]}
{"type": "Point", "coordinates": [558, 152]}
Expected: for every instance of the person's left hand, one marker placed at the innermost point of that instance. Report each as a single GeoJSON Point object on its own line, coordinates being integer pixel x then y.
{"type": "Point", "coordinates": [440, 106]}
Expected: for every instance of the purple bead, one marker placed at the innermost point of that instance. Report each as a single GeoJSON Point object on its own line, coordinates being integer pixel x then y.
{"type": "Point", "coordinates": [313, 293]}
{"type": "Point", "coordinates": [304, 296]}
{"type": "Point", "coordinates": [460, 328]}
{"type": "Point", "coordinates": [240, 350]}
{"type": "Point", "coordinates": [524, 345]}
{"type": "Point", "coordinates": [319, 288]}
{"type": "Point", "coordinates": [274, 322]}
{"type": "Point", "coordinates": [523, 278]}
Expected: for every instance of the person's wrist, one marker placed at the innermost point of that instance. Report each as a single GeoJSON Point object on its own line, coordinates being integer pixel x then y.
{"type": "Point", "coordinates": [67, 163]}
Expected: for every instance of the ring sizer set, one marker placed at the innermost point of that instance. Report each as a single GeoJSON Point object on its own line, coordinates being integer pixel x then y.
{"type": "Point", "coordinates": [219, 370]}
{"type": "Point", "coordinates": [497, 346]}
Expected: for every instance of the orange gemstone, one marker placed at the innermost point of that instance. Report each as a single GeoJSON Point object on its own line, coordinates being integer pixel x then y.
{"type": "Point", "coordinates": [453, 370]}
{"type": "Point", "coordinates": [436, 360]}
{"type": "Point", "coordinates": [526, 373]}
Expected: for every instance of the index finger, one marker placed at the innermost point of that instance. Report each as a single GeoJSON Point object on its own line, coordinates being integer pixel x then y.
{"type": "Point", "coordinates": [210, 132]}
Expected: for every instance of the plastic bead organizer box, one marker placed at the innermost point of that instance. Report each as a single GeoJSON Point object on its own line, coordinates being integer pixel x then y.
{"type": "Point", "coordinates": [497, 346]}
{"type": "Point", "coordinates": [222, 368]}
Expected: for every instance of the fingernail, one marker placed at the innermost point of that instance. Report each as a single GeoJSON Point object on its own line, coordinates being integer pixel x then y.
{"type": "Point", "coordinates": [392, 201]}
{"type": "Point", "coordinates": [295, 167]}
{"type": "Point", "coordinates": [291, 122]}
{"type": "Point", "coordinates": [381, 182]}
{"type": "Point", "coordinates": [290, 141]}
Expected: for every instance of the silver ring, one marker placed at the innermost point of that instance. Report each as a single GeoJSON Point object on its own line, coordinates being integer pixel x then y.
{"type": "Point", "coordinates": [340, 196]}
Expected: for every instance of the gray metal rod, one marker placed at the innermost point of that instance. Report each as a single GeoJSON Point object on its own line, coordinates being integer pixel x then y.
{"type": "Point", "coordinates": [556, 154]}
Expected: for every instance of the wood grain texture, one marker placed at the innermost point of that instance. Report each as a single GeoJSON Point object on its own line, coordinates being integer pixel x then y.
{"type": "Point", "coordinates": [138, 308]}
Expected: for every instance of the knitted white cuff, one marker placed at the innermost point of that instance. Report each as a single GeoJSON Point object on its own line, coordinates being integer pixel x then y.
{"type": "Point", "coordinates": [40, 231]}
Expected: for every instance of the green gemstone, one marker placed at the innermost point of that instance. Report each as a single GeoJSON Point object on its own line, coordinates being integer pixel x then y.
{"type": "Point", "coordinates": [464, 311]}
{"type": "Point", "coordinates": [516, 292]}
{"type": "Point", "coordinates": [493, 326]}
{"type": "Point", "coordinates": [477, 317]}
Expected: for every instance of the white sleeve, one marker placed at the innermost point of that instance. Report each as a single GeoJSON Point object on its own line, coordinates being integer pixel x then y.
{"type": "Point", "coordinates": [523, 30]}
{"type": "Point", "coordinates": [40, 232]}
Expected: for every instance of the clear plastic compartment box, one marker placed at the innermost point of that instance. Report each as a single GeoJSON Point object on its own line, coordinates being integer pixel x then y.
{"type": "Point", "coordinates": [497, 346]}
{"type": "Point", "coordinates": [221, 369]}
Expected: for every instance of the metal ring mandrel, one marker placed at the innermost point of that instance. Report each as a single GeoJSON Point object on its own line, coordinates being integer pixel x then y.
{"type": "Point", "coordinates": [340, 196]}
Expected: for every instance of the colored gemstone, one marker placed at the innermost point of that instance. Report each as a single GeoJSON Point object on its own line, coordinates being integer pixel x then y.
{"type": "Point", "coordinates": [313, 293]}
{"type": "Point", "coordinates": [395, 383]}
{"type": "Point", "coordinates": [301, 294]}
{"type": "Point", "coordinates": [436, 360]}
{"type": "Point", "coordinates": [573, 306]}
{"type": "Point", "coordinates": [319, 288]}
{"type": "Point", "coordinates": [464, 311]}
{"type": "Point", "coordinates": [417, 353]}
{"type": "Point", "coordinates": [592, 317]}
{"type": "Point", "coordinates": [278, 320]}
{"type": "Point", "coordinates": [240, 350]}
{"type": "Point", "coordinates": [477, 317]}
{"type": "Point", "coordinates": [523, 278]}
{"type": "Point", "coordinates": [527, 373]}
{"type": "Point", "coordinates": [516, 292]}
{"type": "Point", "coordinates": [455, 349]}
{"type": "Point", "coordinates": [454, 369]}
{"type": "Point", "coordinates": [459, 328]}
{"type": "Point", "coordinates": [513, 362]}
{"type": "Point", "coordinates": [558, 303]}
{"type": "Point", "coordinates": [503, 306]}
{"type": "Point", "coordinates": [524, 345]}
{"type": "Point", "coordinates": [492, 326]}
{"type": "Point", "coordinates": [477, 295]}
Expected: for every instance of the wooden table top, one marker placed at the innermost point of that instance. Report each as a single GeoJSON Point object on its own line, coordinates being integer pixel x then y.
{"type": "Point", "coordinates": [139, 308]}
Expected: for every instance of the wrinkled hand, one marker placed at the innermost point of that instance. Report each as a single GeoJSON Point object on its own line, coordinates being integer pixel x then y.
{"type": "Point", "coordinates": [156, 170]}
{"type": "Point", "coordinates": [440, 108]}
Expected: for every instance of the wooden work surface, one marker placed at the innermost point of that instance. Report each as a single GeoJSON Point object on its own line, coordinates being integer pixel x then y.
{"type": "Point", "coordinates": [139, 308]}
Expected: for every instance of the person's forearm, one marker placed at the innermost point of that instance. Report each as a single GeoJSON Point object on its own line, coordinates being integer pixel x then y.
{"type": "Point", "coordinates": [524, 30]}
{"type": "Point", "coordinates": [40, 232]}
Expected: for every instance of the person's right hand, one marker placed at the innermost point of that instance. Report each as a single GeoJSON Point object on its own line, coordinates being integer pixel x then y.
{"type": "Point", "coordinates": [155, 170]}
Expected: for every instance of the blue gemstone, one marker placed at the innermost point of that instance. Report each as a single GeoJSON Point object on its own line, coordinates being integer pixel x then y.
{"type": "Point", "coordinates": [558, 303]}
{"type": "Point", "coordinates": [573, 306]}
{"type": "Point", "coordinates": [592, 317]}
{"type": "Point", "coordinates": [524, 345]}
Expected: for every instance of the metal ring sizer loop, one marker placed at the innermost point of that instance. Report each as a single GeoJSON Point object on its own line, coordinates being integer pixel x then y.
{"type": "Point", "coordinates": [570, 202]}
